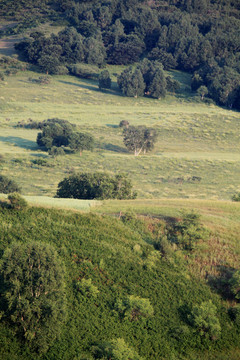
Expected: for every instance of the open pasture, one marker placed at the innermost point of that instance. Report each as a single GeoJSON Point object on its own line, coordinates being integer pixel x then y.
{"type": "Point", "coordinates": [197, 154]}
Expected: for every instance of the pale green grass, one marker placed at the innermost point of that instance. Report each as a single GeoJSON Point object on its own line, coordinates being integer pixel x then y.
{"type": "Point", "coordinates": [67, 204]}
{"type": "Point", "coordinates": [195, 140]}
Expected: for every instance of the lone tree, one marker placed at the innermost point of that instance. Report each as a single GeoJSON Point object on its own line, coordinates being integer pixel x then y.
{"type": "Point", "coordinates": [104, 80]}
{"type": "Point", "coordinates": [139, 139]}
{"type": "Point", "coordinates": [34, 292]}
{"type": "Point", "coordinates": [96, 186]}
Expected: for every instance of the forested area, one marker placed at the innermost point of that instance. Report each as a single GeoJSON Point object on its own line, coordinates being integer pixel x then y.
{"type": "Point", "coordinates": [200, 37]}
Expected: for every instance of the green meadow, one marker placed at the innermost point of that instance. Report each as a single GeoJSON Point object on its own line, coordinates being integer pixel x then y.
{"type": "Point", "coordinates": [196, 140]}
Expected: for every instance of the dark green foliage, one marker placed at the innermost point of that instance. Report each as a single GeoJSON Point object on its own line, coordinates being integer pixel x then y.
{"type": "Point", "coordinates": [139, 139]}
{"type": "Point", "coordinates": [117, 349]}
{"type": "Point", "coordinates": [236, 197]}
{"type": "Point", "coordinates": [8, 186]}
{"type": "Point", "coordinates": [57, 133]}
{"type": "Point", "coordinates": [17, 202]}
{"type": "Point", "coordinates": [235, 284]}
{"type": "Point", "coordinates": [56, 151]}
{"type": "Point", "coordinates": [148, 79]}
{"type": "Point", "coordinates": [79, 142]}
{"type": "Point", "coordinates": [134, 308]}
{"type": "Point", "coordinates": [102, 249]}
{"type": "Point", "coordinates": [172, 84]}
{"type": "Point", "coordinates": [34, 292]}
{"type": "Point", "coordinates": [96, 186]}
{"type": "Point", "coordinates": [204, 318]}
{"type": "Point", "coordinates": [131, 83]}
{"type": "Point", "coordinates": [104, 80]}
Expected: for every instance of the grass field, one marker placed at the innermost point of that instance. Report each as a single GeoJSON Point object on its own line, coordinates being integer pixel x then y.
{"type": "Point", "coordinates": [195, 139]}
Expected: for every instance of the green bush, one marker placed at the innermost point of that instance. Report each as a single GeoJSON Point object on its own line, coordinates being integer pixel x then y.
{"type": "Point", "coordinates": [116, 349]}
{"type": "Point", "coordinates": [236, 197]}
{"type": "Point", "coordinates": [34, 292]}
{"type": "Point", "coordinates": [17, 202]}
{"type": "Point", "coordinates": [204, 318]}
{"type": "Point", "coordinates": [8, 186]}
{"type": "Point", "coordinates": [96, 186]}
{"type": "Point", "coordinates": [133, 308]}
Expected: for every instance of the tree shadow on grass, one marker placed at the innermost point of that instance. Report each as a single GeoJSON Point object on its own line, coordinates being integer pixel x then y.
{"type": "Point", "coordinates": [20, 142]}
{"type": "Point", "coordinates": [89, 86]}
{"type": "Point", "coordinates": [114, 148]}
{"type": "Point", "coordinates": [220, 283]}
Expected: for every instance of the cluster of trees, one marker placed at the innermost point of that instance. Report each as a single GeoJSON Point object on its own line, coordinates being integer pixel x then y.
{"type": "Point", "coordinates": [147, 78]}
{"type": "Point", "coordinates": [58, 134]}
{"type": "Point", "coordinates": [174, 33]}
{"type": "Point", "coordinates": [96, 186]}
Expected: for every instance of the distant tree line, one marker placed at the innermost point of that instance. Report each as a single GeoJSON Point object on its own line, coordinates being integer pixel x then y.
{"type": "Point", "coordinates": [201, 37]}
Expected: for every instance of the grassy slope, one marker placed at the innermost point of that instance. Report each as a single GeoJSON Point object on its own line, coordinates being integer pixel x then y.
{"type": "Point", "coordinates": [194, 139]}
{"type": "Point", "coordinates": [119, 262]}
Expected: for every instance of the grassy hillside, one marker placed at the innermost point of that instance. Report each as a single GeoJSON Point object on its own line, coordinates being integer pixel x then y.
{"type": "Point", "coordinates": [195, 139]}
{"type": "Point", "coordinates": [120, 261]}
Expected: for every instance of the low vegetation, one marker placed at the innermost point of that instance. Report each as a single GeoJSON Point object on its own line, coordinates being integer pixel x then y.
{"type": "Point", "coordinates": [114, 289]}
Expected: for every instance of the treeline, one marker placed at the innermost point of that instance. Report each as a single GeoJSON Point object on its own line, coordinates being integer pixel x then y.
{"type": "Point", "coordinates": [200, 37]}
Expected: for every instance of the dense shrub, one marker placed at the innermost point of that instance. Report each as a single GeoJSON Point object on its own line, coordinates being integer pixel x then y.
{"type": "Point", "coordinates": [204, 318]}
{"type": "Point", "coordinates": [8, 186]}
{"type": "Point", "coordinates": [34, 292]}
{"type": "Point", "coordinates": [116, 349]}
{"type": "Point", "coordinates": [17, 202]}
{"type": "Point", "coordinates": [236, 197]}
{"type": "Point", "coordinates": [96, 186]}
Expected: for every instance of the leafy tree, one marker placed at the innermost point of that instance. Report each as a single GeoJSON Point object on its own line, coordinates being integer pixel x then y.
{"type": "Point", "coordinates": [172, 84]}
{"type": "Point", "coordinates": [95, 186]}
{"type": "Point", "coordinates": [134, 308]}
{"type": "Point", "coordinates": [116, 349]}
{"type": "Point", "coordinates": [56, 151]}
{"type": "Point", "coordinates": [202, 91]}
{"type": "Point", "coordinates": [55, 132]}
{"type": "Point", "coordinates": [34, 292]}
{"type": "Point", "coordinates": [79, 141]}
{"type": "Point", "coordinates": [131, 83]}
{"type": "Point", "coordinates": [157, 88]}
{"type": "Point", "coordinates": [204, 318]}
{"type": "Point", "coordinates": [8, 186]}
{"type": "Point", "coordinates": [104, 80]}
{"type": "Point", "coordinates": [139, 139]}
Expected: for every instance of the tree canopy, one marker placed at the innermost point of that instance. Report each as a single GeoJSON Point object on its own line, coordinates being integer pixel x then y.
{"type": "Point", "coordinates": [34, 292]}
{"type": "Point", "coordinates": [58, 133]}
{"type": "Point", "coordinates": [139, 139]}
{"type": "Point", "coordinates": [96, 186]}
